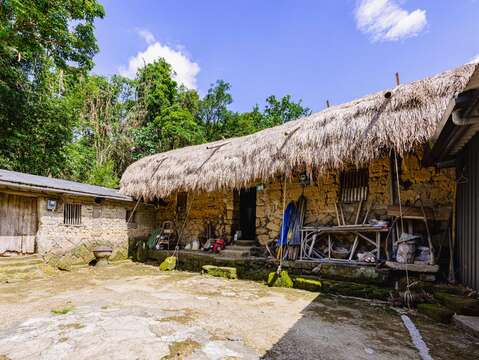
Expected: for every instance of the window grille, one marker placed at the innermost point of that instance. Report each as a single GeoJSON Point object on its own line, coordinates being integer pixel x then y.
{"type": "Point", "coordinates": [72, 214]}
{"type": "Point", "coordinates": [354, 185]}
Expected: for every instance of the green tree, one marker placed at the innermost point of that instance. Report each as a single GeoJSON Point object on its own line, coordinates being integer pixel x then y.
{"type": "Point", "coordinates": [101, 143]}
{"type": "Point", "coordinates": [165, 113]}
{"type": "Point", "coordinates": [214, 112]}
{"type": "Point", "coordinates": [279, 111]}
{"type": "Point", "coordinates": [43, 46]}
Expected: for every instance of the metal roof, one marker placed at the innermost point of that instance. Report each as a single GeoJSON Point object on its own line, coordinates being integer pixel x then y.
{"type": "Point", "coordinates": [18, 180]}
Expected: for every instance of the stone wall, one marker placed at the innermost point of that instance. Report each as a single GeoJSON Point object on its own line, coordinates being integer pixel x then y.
{"type": "Point", "coordinates": [434, 186]}
{"type": "Point", "coordinates": [101, 224]}
{"type": "Point", "coordinates": [214, 209]}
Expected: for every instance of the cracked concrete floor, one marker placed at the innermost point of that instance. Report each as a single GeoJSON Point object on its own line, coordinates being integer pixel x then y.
{"type": "Point", "coordinates": [134, 311]}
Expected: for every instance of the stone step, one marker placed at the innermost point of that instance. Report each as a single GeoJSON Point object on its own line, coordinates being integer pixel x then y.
{"type": "Point", "coordinates": [21, 260]}
{"type": "Point", "coordinates": [18, 269]}
{"type": "Point", "coordinates": [239, 247]}
{"type": "Point", "coordinates": [237, 254]}
{"type": "Point", "coordinates": [7, 259]}
{"type": "Point", "coordinates": [245, 242]}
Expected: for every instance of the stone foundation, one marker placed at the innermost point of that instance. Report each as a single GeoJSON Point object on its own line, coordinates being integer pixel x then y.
{"type": "Point", "coordinates": [103, 224]}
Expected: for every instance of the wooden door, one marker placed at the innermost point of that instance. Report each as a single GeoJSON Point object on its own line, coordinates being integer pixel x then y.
{"type": "Point", "coordinates": [18, 223]}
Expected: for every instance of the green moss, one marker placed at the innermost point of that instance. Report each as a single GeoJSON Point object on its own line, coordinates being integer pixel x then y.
{"type": "Point", "coordinates": [119, 253]}
{"type": "Point", "coordinates": [220, 271]}
{"type": "Point", "coordinates": [181, 349]}
{"type": "Point", "coordinates": [82, 254]}
{"type": "Point", "coordinates": [366, 291]}
{"type": "Point", "coordinates": [47, 269]}
{"type": "Point", "coordinates": [307, 284]}
{"type": "Point", "coordinates": [168, 264]}
{"type": "Point", "coordinates": [436, 312]}
{"type": "Point", "coordinates": [281, 280]}
{"type": "Point", "coordinates": [458, 304]}
{"type": "Point", "coordinates": [361, 274]}
{"type": "Point", "coordinates": [62, 311]}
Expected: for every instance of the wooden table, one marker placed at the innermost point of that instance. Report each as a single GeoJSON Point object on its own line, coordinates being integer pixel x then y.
{"type": "Point", "coordinates": [309, 234]}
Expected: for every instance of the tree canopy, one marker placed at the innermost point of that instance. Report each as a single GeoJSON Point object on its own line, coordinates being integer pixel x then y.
{"type": "Point", "coordinates": [58, 119]}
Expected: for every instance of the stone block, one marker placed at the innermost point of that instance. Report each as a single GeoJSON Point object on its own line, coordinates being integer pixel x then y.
{"type": "Point", "coordinates": [220, 271]}
{"type": "Point", "coordinates": [459, 304]}
{"type": "Point", "coordinates": [307, 284]}
{"type": "Point", "coordinates": [168, 264]}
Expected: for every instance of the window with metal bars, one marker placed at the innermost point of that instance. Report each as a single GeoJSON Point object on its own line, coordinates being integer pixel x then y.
{"type": "Point", "coordinates": [354, 185]}
{"type": "Point", "coordinates": [72, 214]}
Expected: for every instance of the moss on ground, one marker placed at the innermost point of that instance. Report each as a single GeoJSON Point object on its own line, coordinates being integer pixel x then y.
{"type": "Point", "coordinates": [181, 349]}
{"type": "Point", "coordinates": [280, 280]}
{"type": "Point", "coordinates": [307, 284]}
{"type": "Point", "coordinates": [62, 311]}
{"type": "Point", "coordinates": [436, 312]}
{"type": "Point", "coordinates": [220, 271]}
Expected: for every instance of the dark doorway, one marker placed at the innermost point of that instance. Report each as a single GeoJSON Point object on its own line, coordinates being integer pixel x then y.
{"type": "Point", "coordinates": [247, 210]}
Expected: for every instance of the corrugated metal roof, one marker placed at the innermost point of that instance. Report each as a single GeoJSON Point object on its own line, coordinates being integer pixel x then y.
{"type": "Point", "coordinates": [24, 181]}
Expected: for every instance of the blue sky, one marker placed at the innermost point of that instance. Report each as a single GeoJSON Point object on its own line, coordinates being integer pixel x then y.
{"type": "Point", "coordinates": [314, 50]}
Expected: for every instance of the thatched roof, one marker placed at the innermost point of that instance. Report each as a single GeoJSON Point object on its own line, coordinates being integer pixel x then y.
{"type": "Point", "coordinates": [351, 133]}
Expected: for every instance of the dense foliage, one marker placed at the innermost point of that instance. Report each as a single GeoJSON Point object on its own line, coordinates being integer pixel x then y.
{"type": "Point", "coordinates": [57, 119]}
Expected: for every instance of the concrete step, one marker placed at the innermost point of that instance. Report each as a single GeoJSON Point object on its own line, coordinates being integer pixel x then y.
{"type": "Point", "coordinates": [245, 242]}
{"type": "Point", "coordinates": [469, 324]}
{"type": "Point", "coordinates": [239, 248]}
{"type": "Point", "coordinates": [237, 254]}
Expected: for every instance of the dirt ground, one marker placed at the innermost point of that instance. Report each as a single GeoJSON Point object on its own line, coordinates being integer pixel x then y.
{"type": "Point", "coordinates": [134, 311]}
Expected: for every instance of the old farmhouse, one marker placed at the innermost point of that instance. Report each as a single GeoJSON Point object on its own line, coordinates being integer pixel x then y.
{"type": "Point", "coordinates": [360, 173]}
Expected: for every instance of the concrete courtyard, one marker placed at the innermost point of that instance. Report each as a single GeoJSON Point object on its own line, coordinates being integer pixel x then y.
{"type": "Point", "coordinates": [135, 311]}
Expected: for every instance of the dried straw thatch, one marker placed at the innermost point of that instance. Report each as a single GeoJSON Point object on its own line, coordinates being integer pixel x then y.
{"type": "Point", "coordinates": [351, 133]}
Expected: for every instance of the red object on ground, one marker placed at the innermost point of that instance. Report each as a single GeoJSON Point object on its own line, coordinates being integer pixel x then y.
{"type": "Point", "coordinates": [218, 245]}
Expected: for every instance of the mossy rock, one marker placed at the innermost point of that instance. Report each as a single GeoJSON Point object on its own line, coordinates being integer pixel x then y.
{"type": "Point", "coordinates": [220, 271]}
{"type": "Point", "coordinates": [366, 291]}
{"type": "Point", "coordinates": [357, 274]}
{"type": "Point", "coordinates": [436, 312]}
{"type": "Point", "coordinates": [82, 254]}
{"type": "Point", "coordinates": [47, 269]}
{"type": "Point", "coordinates": [119, 253]}
{"type": "Point", "coordinates": [168, 264]}
{"type": "Point", "coordinates": [459, 304]}
{"type": "Point", "coordinates": [281, 280]}
{"type": "Point", "coordinates": [307, 284]}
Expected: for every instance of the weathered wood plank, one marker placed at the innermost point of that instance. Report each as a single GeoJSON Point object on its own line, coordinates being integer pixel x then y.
{"type": "Point", "coordinates": [18, 223]}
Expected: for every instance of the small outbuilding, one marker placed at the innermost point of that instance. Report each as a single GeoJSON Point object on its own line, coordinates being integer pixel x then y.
{"type": "Point", "coordinates": [64, 220]}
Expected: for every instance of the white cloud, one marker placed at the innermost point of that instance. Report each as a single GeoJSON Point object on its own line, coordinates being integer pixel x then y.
{"type": "Point", "coordinates": [147, 36]}
{"type": "Point", "coordinates": [474, 60]}
{"type": "Point", "coordinates": [185, 69]}
{"type": "Point", "coordinates": [385, 20]}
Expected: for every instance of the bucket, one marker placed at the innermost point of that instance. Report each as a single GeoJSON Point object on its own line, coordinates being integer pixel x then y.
{"type": "Point", "coordinates": [406, 252]}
